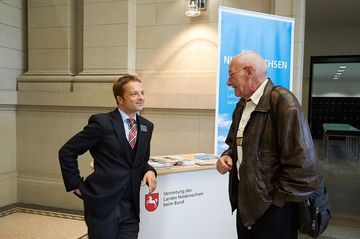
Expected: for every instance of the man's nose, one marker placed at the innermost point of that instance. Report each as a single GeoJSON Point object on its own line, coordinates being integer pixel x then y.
{"type": "Point", "coordinates": [141, 96]}
{"type": "Point", "coordinates": [228, 82]}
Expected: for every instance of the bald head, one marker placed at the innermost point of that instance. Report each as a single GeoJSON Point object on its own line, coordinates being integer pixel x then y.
{"type": "Point", "coordinates": [247, 71]}
{"type": "Point", "coordinates": [254, 60]}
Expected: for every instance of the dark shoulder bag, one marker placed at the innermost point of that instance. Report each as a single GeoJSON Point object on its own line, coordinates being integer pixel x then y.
{"type": "Point", "coordinates": [314, 212]}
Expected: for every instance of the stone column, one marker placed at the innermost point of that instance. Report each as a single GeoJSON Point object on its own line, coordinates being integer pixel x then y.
{"type": "Point", "coordinates": [109, 37]}
{"type": "Point", "coordinates": [295, 9]}
{"type": "Point", "coordinates": [52, 47]}
{"type": "Point", "coordinates": [51, 37]}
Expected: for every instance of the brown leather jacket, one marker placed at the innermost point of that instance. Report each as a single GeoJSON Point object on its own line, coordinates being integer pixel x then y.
{"type": "Point", "coordinates": [279, 160]}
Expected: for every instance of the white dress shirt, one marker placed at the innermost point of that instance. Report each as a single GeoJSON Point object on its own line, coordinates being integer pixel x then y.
{"type": "Point", "coordinates": [125, 118]}
{"type": "Point", "coordinates": [249, 108]}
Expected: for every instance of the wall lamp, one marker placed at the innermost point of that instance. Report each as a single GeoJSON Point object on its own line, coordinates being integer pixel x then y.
{"type": "Point", "coordinates": [193, 8]}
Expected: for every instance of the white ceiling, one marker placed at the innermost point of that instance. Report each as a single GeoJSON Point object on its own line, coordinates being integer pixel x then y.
{"type": "Point", "coordinates": [333, 14]}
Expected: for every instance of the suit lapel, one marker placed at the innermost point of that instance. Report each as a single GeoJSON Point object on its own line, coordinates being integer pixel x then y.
{"type": "Point", "coordinates": [118, 124]}
{"type": "Point", "coordinates": [140, 142]}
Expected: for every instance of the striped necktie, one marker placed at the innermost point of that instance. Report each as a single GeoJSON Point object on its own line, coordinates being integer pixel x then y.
{"type": "Point", "coordinates": [132, 132]}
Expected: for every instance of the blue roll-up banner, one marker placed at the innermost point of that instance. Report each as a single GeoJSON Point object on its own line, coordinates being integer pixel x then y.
{"type": "Point", "coordinates": [239, 31]}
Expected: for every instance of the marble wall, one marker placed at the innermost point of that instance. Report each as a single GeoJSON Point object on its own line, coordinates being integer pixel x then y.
{"type": "Point", "coordinates": [12, 64]}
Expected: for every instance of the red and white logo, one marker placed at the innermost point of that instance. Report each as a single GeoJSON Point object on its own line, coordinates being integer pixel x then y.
{"type": "Point", "coordinates": [151, 201]}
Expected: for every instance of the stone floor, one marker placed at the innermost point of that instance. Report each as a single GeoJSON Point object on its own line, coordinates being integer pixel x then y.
{"type": "Point", "coordinates": [25, 222]}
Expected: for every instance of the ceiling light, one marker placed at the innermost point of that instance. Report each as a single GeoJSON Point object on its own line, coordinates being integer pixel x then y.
{"type": "Point", "coordinates": [342, 67]}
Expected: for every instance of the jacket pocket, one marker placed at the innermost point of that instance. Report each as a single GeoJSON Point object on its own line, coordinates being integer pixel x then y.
{"type": "Point", "coordinates": [268, 168]}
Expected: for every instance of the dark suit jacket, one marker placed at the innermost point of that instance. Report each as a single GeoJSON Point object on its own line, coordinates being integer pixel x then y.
{"type": "Point", "coordinates": [116, 166]}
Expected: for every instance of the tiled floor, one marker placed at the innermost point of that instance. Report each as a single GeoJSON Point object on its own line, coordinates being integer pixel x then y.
{"type": "Point", "coordinates": [22, 222]}
{"type": "Point", "coordinates": [342, 232]}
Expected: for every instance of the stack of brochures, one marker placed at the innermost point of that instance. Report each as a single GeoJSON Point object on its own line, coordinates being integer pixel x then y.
{"type": "Point", "coordinates": [202, 156]}
{"type": "Point", "coordinates": [205, 159]}
{"type": "Point", "coordinates": [169, 161]}
{"type": "Point", "coordinates": [157, 165]}
{"type": "Point", "coordinates": [205, 162]}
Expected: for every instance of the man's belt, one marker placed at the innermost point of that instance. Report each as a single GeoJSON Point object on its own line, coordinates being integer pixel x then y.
{"type": "Point", "coordinates": [239, 141]}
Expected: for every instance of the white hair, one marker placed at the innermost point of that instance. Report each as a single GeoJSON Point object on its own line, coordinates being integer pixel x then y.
{"type": "Point", "coordinates": [255, 60]}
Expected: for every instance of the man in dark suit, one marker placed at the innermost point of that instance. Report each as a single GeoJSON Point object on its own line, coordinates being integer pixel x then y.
{"type": "Point", "coordinates": [119, 142]}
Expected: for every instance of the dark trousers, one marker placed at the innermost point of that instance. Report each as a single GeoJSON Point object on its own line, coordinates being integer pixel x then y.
{"type": "Point", "coordinates": [121, 224]}
{"type": "Point", "coordinates": [276, 223]}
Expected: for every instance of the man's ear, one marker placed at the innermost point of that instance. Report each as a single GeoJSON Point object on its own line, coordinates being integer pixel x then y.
{"type": "Point", "coordinates": [249, 71]}
{"type": "Point", "coordinates": [119, 99]}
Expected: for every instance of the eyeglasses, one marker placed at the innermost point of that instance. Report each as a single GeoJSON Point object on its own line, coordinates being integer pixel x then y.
{"type": "Point", "coordinates": [232, 73]}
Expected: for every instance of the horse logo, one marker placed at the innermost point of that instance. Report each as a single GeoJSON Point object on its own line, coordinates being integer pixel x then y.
{"type": "Point", "coordinates": [151, 201]}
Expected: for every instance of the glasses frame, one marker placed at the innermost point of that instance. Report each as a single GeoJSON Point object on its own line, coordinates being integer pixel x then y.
{"type": "Point", "coordinates": [232, 73]}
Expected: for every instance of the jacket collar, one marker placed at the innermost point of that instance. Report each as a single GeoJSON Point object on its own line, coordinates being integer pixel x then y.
{"type": "Point", "coordinates": [264, 102]}
{"type": "Point", "coordinates": [118, 125]}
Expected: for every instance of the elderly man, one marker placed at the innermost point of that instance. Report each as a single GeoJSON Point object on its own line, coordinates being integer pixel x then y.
{"type": "Point", "coordinates": [271, 156]}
